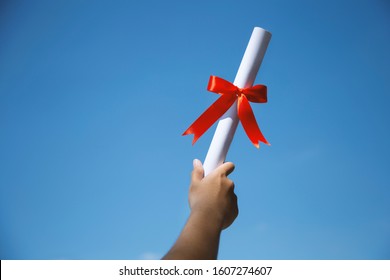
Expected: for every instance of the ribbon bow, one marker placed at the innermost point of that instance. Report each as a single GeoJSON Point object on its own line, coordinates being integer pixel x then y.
{"type": "Point", "coordinates": [229, 94]}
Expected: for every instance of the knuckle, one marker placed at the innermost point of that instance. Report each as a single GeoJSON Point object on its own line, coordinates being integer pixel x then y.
{"type": "Point", "coordinates": [230, 184]}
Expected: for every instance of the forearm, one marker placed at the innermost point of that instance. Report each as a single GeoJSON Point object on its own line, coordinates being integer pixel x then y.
{"type": "Point", "coordinates": [198, 240]}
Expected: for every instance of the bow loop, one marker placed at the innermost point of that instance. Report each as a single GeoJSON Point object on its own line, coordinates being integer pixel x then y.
{"type": "Point", "coordinates": [256, 94]}
{"type": "Point", "coordinates": [221, 86]}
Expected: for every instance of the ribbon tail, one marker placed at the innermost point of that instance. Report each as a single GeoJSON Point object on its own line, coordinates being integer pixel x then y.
{"type": "Point", "coordinates": [248, 122]}
{"type": "Point", "coordinates": [210, 116]}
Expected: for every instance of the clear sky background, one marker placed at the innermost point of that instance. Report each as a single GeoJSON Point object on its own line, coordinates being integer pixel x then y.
{"type": "Point", "coordinates": [94, 97]}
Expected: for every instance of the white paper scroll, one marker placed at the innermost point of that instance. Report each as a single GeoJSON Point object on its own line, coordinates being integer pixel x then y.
{"type": "Point", "coordinates": [245, 77]}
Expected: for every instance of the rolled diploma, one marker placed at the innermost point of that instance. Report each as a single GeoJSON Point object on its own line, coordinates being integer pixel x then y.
{"type": "Point", "coordinates": [245, 77]}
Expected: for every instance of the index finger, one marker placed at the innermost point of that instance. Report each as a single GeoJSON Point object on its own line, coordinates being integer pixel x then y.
{"type": "Point", "coordinates": [226, 168]}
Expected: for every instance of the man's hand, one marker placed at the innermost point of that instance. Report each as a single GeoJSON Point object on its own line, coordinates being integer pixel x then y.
{"type": "Point", "coordinates": [213, 195]}
{"type": "Point", "coordinates": [213, 208]}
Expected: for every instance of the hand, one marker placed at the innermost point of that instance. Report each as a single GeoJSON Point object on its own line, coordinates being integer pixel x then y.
{"type": "Point", "coordinates": [213, 208]}
{"type": "Point", "coordinates": [213, 196]}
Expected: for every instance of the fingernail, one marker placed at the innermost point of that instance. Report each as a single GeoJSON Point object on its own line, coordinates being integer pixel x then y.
{"type": "Point", "coordinates": [196, 163]}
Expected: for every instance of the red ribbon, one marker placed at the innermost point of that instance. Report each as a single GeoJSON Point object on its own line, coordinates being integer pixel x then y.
{"type": "Point", "coordinates": [229, 94]}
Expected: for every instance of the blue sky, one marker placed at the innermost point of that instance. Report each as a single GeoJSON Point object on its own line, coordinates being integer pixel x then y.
{"type": "Point", "coordinates": [94, 97]}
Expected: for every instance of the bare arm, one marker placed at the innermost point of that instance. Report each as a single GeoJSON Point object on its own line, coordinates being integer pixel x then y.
{"type": "Point", "coordinates": [213, 206]}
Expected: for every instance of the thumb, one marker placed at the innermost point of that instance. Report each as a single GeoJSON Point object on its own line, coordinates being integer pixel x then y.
{"type": "Point", "coordinates": [197, 172]}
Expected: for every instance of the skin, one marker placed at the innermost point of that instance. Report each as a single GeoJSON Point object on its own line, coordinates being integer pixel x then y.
{"type": "Point", "coordinates": [214, 208]}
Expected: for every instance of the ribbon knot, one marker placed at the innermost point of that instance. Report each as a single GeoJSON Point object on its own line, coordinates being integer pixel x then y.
{"type": "Point", "coordinates": [229, 94]}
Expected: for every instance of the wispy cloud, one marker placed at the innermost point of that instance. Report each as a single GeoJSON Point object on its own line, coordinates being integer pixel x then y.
{"type": "Point", "coordinates": [150, 256]}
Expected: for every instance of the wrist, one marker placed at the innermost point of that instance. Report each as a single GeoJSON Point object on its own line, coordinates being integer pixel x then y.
{"type": "Point", "coordinates": [208, 220]}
